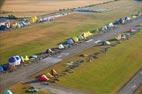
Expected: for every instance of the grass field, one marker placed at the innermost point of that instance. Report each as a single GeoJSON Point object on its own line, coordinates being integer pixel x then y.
{"type": "Point", "coordinates": [139, 91]}
{"type": "Point", "coordinates": [108, 73]}
{"type": "Point", "coordinates": [37, 38]}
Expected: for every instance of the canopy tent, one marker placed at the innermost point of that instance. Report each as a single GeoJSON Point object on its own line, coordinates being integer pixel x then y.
{"type": "Point", "coordinates": [14, 60]}
{"type": "Point", "coordinates": [3, 27]}
{"type": "Point", "coordinates": [7, 92]}
{"type": "Point", "coordinates": [1, 69]}
{"type": "Point", "coordinates": [43, 78]}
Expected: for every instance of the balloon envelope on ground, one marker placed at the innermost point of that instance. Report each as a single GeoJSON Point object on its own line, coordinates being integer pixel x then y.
{"type": "Point", "coordinates": [69, 41]}
{"type": "Point", "coordinates": [43, 78]}
{"type": "Point", "coordinates": [14, 60]}
{"type": "Point", "coordinates": [7, 92]}
{"type": "Point", "coordinates": [1, 69]}
{"type": "Point", "coordinates": [61, 46]}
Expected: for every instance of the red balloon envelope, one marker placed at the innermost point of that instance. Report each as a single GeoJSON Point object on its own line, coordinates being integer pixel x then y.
{"type": "Point", "coordinates": [43, 78]}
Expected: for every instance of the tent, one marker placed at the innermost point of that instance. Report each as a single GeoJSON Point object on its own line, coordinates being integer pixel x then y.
{"type": "Point", "coordinates": [1, 69]}
{"type": "Point", "coordinates": [69, 41]}
{"type": "Point", "coordinates": [7, 92]}
{"type": "Point", "coordinates": [34, 19]}
{"type": "Point", "coordinates": [14, 60]}
{"type": "Point", "coordinates": [75, 39]}
{"type": "Point", "coordinates": [3, 27]}
{"type": "Point", "coordinates": [61, 46]}
{"type": "Point", "coordinates": [86, 34]}
{"type": "Point", "coordinates": [26, 59]}
{"type": "Point", "coordinates": [5, 67]}
{"type": "Point", "coordinates": [43, 78]}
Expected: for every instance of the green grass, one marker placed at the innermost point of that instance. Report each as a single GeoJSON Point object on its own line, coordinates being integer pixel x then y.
{"type": "Point", "coordinates": [139, 91]}
{"type": "Point", "coordinates": [108, 73]}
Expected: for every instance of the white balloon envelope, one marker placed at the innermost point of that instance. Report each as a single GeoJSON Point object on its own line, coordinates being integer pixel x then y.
{"type": "Point", "coordinates": [14, 60]}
